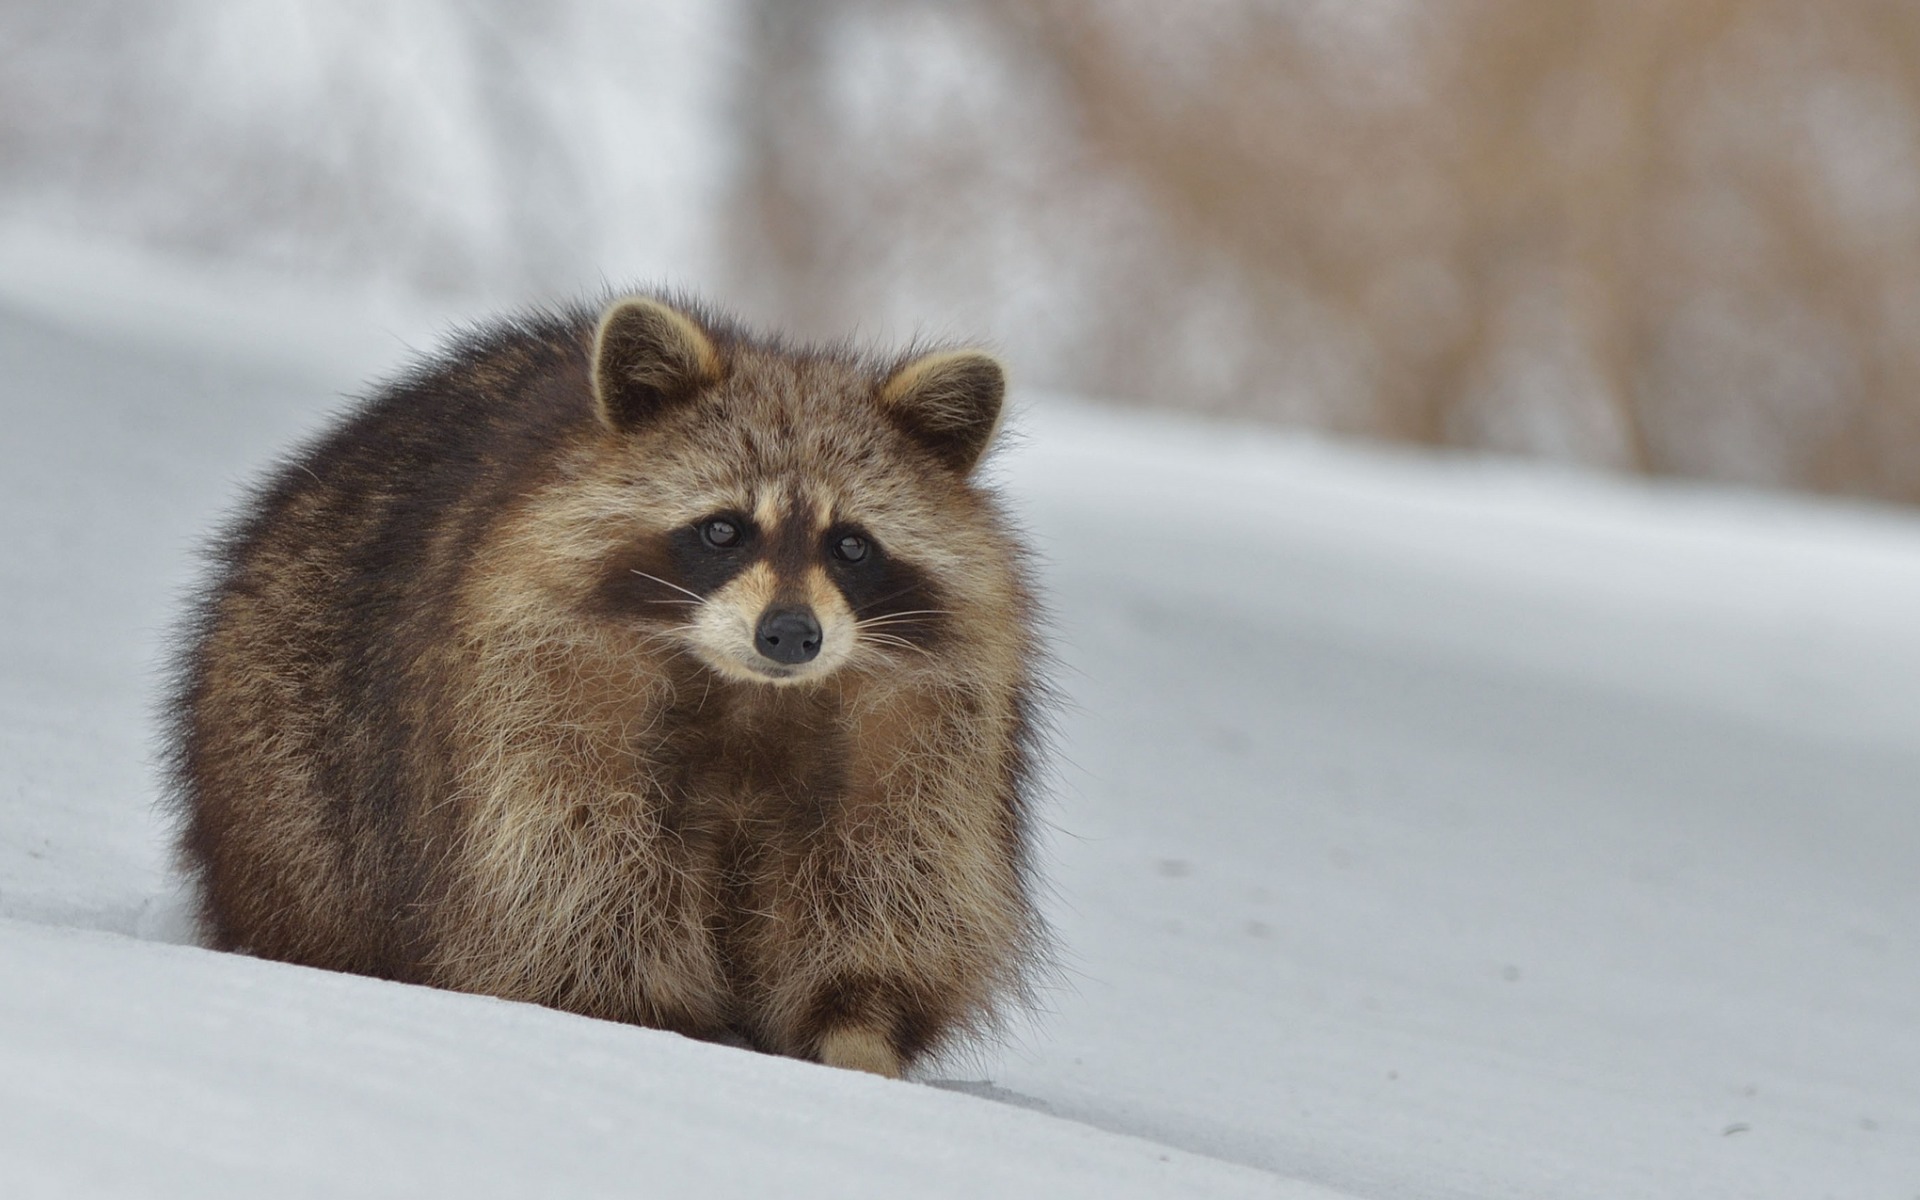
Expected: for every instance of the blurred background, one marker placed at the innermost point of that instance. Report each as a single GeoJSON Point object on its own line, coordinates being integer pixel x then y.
{"type": "Point", "coordinates": [1670, 236]}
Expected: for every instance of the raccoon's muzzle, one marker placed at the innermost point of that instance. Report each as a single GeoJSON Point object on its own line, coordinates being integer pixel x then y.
{"type": "Point", "coordinates": [788, 635]}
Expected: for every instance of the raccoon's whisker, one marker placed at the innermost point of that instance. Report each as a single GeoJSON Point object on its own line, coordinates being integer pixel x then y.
{"type": "Point", "coordinates": [676, 653]}
{"type": "Point", "coordinates": [666, 636]}
{"type": "Point", "coordinates": [863, 630]}
{"type": "Point", "coordinates": [874, 630]}
{"type": "Point", "coordinates": [901, 616]}
{"type": "Point", "coordinates": [867, 652]}
{"type": "Point", "coordinates": [882, 635]}
{"type": "Point", "coordinates": [889, 596]}
{"type": "Point", "coordinates": [698, 598]}
{"type": "Point", "coordinates": [889, 640]}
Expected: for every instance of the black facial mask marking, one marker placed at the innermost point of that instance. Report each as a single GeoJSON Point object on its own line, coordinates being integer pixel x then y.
{"type": "Point", "coordinates": [664, 577]}
{"type": "Point", "coordinates": [897, 598]}
{"type": "Point", "coordinates": [703, 567]}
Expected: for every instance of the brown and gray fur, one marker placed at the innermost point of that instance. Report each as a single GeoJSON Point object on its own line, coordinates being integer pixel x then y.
{"type": "Point", "coordinates": [474, 699]}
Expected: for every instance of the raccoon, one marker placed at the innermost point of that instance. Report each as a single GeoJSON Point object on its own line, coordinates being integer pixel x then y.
{"type": "Point", "coordinates": [631, 663]}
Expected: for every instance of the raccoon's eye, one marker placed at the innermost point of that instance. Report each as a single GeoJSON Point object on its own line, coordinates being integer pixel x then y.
{"type": "Point", "coordinates": [850, 548]}
{"type": "Point", "coordinates": [720, 533]}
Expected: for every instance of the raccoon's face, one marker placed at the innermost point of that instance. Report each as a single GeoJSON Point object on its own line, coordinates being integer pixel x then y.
{"type": "Point", "coordinates": [789, 590]}
{"type": "Point", "coordinates": [800, 526]}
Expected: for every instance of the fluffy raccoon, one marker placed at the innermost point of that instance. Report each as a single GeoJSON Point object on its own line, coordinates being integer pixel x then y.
{"type": "Point", "coordinates": [632, 664]}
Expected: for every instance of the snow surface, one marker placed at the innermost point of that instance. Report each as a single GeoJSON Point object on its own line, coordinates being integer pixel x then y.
{"type": "Point", "coordinates": [1423, 828]}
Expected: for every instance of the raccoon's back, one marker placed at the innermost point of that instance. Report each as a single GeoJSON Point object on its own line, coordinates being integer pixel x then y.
{"type": "Point", "coordinates": [303, 744]}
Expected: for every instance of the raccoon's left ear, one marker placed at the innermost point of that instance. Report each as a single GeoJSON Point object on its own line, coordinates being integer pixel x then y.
{"type": "Point", "coordinates": [647, 356]}
{"type": "Point", "coordinates": [950, 402]}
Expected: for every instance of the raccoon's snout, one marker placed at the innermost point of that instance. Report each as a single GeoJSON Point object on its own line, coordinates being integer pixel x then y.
{"type": "Point", "coordinates": [788, 635]}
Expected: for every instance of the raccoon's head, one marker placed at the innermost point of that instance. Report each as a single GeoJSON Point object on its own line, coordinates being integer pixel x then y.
{"type": "Point", "coordinates": [793, 513]}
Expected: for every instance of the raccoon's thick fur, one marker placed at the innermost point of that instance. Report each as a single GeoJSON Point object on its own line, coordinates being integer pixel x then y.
{"type": "Point", "coordinates": [632, 664]}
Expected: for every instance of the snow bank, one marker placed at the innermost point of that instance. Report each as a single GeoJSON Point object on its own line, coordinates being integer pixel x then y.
{"type": "Point", "coordinates": [130, 1069]}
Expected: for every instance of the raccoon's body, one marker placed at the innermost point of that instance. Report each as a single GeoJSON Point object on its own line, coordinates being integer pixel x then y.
{"type": "Point", "coordinates": [630, 664]}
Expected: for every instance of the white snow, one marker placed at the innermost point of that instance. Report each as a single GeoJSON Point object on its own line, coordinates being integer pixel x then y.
{"type": "Point", "coordinates": [1424, 828]}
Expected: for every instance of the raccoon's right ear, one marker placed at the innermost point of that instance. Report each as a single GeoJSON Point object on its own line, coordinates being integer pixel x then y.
{"type": "Point", "coordinates": [950, 402]}
{"type": "Point", "coordinates": [646, 357]}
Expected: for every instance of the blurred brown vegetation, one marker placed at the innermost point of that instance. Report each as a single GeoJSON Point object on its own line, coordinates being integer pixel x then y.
{"type": "Point", "coordinates": [1677, 236]}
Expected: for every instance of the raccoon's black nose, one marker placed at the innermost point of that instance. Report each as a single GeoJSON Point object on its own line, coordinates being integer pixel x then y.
{"type": "Point", "coordinates": [788, 635]}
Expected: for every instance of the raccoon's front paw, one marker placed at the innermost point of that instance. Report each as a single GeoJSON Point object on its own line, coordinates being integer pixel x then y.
{"type": "Point", "coordinates": [859, 1049]}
